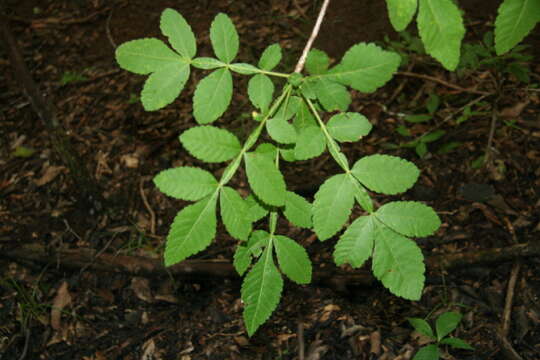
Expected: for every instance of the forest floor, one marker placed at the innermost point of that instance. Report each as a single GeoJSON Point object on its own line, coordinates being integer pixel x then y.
{"type": "Point", "coordinates": [58, 304]}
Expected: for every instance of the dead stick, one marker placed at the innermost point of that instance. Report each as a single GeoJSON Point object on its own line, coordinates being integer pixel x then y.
{"type": "Point", "coordinates": [309, 44]}
{"type": "Point", "coordinates": [507, 315]}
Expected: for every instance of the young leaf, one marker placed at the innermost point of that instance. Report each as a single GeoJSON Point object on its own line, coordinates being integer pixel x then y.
{"type": "Point", "coordinates": [409, 218]}
{"type": "Point", "coordinates": [303, 117]}
{"type": "Point", "coordinates": [422, 327]}
{"type": "Point", "coordinates": [261, 291]}
{"type": "Point", "coordinates": [256, 210]}
{"type": "Point", "coordinates": [207, 63]}
{"type": "Point", "coordinates": [260, 91]}
{"type": "Point", "coordinates": [515, 19]}
{"type": "Point", "coordinates": [441, 29]}
{"type": "Point", "coordinates": [281, 131]}
{"type": "Point", "coordinates": [398, 263]}
{"type": "Point", "coordinates": [428, 352]}
{"type": "Point", "coordinates": [297, 210]}
{"type": "Point", "coordinates": [186, 183]}
{"type": "Point", "coordinates": [385, 174]}
{"type": "Point", "coordinates": [446, 323]}
{"type": "Point", "coordinates": [365, 67]}
{"type": "Point", "coordinates": [244, 69]}
{"type": "Point", "coordinates": [310, 143]}
{"type": "Point", "coordinates": [191, 231]}
{"type": "Point", "coordinates": [210, 144]}
{"type": "Point", "coordinates": [348, 126]}
{"type": "Point", "coordinates": [317, 62]}
{"type": "Point", "coordinates": [418, 118]}
{"type": "Point", "coordinates": [268, 150]}
{"type": "Point", "coordinates": [336, 153]}
{"type": "Point", "coordinates": [332, 95]}
{"type": "Point", "coordinates": [174, 26]}
{"type": "Point", "coordinates": [212, 96]}
{"type": "Point", "coordinates": [265, 179]}
{"type": "Point", "coordinates": [224, 38]}
{"type": "Point", "coordinates": [332, 206]}
{"type": "Point", "coordinates": [401, 12]}
{"type": "Point", "coordinates": [164, 85]}
{"type": "Point", "coordinates": [293, 260]}
{"type": "Point", "coordinates": [361, 195]}
{"type": "Point", "coordinates": [241, 259]}
{"type": "Point", "coordinates": [234, 213]}
{"type": "Point", "coordinates": [456, 343]}
{"type": "Point", "coordinates": [270, 57]}
{"type": "Point", "coordinates": [144, 56]}
{"type": "Point", "coordinates": [355, 245]}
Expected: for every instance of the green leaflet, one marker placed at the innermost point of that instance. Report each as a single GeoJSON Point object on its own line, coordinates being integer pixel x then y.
{"type": "Point", "coordinates": [265, 179]}
{"type": "Point", "coordinates": [422, 327]}
{"type": "Point", "coordinates": [192, 230]}
{"type": "Point", "coordinates": [386, 174]}
{"type": "Point", "coordinates": [281, 131]}
{"type": "Point", "coordinates": [303, 117]}
{"type": "Point", "coordinates": [515, 19]}
{"type": "Point", "coordinates": [336, 153]}
{"type": "Point", "coordinates": [253, 248]}
{"type": "Point", "coordinates": [332, 206]}
{"type": "Point", "coordinates": [143, 56]}
{"type": "Point", "coordinates": [174, 26]}
{"type": "Point", "coordinates": [456, 343]}
{"type": "Point", "coordinates": [261, 291]}
{"type": "Point", "coordinates": [398, 263]}
{"type": "Point", "coordinates": [207, 63]}
{"type": "Point", "coordinates": [256, 210]}
{"type": "Point", "coordinates": [288, 108]}
{"type": "Point", "coordinates": [355, 245]}
{"type": "Point", "coordinates": [365, 67]}
{"type": "Point", "coordinates": [234, 213]}
{"type": "Point", "coordinates": [446, 323]}
{"type": "Point", "coordinates": [428, 352]}
{"type": "Point", "coordinates": [361, 195]}
{"type": "Point", "coordinates": [241, 259]}
{"type": "Point", "coordinates": [224, 38]}
{"type": "Point", "coordinates": [270, 57]}
{"type": "Point", "coordinates": [297, 210]}
{"type": "Point", "coordinates": [401, 12]}
{"type": "Point", "coordinates": [260, 91]}
{"type": "Point", "coordinates": [268, 150]}
{"type": "Point", "coordinates": [244, 69]}
{"type": "Point", "coordinates": [293, 260]}
{"type": "Point", "coordinates": [186, 183]}
{"type": "Point", "coordinates": [212, 96]}
{"type": "Point", "coordinates": [310, 143]}
{"type": "Point", "coordinates": [331, 95]}
{"type": "Point", "coordinates": [348, 126]}
{"type": "Point", "coordinates": [317, 62]}
{"type": "Point", "coordinates": [210, 144]}
{"type": "Point", "coordinates": [164, 85]}
{"type": "Point", "coordinates": [441, 29]}
{"type": "Point", "coordinates": [409, 218]}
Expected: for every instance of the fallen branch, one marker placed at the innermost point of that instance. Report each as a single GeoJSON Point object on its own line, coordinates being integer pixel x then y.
{"type": "Point", "coordinates": [89, 259]}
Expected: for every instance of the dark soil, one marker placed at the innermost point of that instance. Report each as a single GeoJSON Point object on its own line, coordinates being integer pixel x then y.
{"type": "Point", "coordinates": [51, 311]}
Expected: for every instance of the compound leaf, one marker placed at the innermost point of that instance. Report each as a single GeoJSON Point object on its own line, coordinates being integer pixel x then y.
{"type": "Point", "coordinates": [261, 291]}
{"type": "Point", "coordinates": [332, 206]}
{"type": "Point", "coordinates": [293, 260]}
{"type": "Point", "coordinates": [186, 183]}
{"type": "Point", "coordinates": [175, 27]}
{"type": "Point", "coordinates": [348, 126]}
{"type": "Point", "coordinates": [310, 143]}
{"type": "Point", "coordinates": [385, 174]}
{"type": "Point", "coordinates": [398, 263]}
{"type": "Point", "coordinates": [212, 96]}
{"type": "Point", "coordinates": [317, 62]}
{"type": "Point", "coordinates": [409, 218]}
{"type": "Point", "coordinates": [260, 91]}
{"type": "Point", "coordinates": [143, 56]}
{"type": "Point", "coordinates": [192, 230]}
{"type": "Point", "coordinates": [401, 12]}
{"type": "Point", "coordinates": [224, 38]}
{"type": "Point", "coordinates": [297, 210]}
{"type": "Point", "coordinates": [265, 179]}
{"type": "Point", "coordinates": [164, 85]}
{"type": "Point", "coordinates": [441, 29]}
{"type": "Point", "coordinates": [515, 19]}
{"type": "Point", "coordinates": [281, 130]}
{"type": "Point", "coordinates": [270, 57]}
{"type": "Point", "coordinates": [365, 67]}
{"type": "Point", "coordinates": [355, 245]}
{"type": "Point", "coordinates": [210, 144]}
{"type": "Point", "coordinates": [234, 213]}
{"type": "Point", "coordinates": [446, 323]}
{"type": "Point", "coordinates": [332, 95]}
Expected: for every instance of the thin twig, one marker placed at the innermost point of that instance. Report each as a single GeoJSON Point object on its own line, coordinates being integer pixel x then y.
{"type": "Point", "coordinates": [493, 124]}
{"type": "Point", "coordinates": [108, 29]}
{"type": "Point", "coordinates": [314, 32]}
{"type": "Point", "coordinates": [442, 82]}
{"type": "Point", "coordinates": [507, 315]}
{"type": "Point", "coordinates": [148, 207]}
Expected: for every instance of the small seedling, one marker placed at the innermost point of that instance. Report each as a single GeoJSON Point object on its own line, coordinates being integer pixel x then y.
{"type": "Point", "coordinates": [444, 325]}
{"type": "Point", "coordinates": [69, 77]}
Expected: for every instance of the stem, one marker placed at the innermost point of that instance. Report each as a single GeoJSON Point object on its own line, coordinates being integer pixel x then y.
{"type": "Point", "coordinates": [314, 32]}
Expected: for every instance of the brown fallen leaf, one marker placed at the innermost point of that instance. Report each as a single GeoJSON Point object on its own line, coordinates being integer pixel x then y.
{"type": "Point", "coordinates": [61, 300]}
{"type": "Point", "coordinates": [49, 174]}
